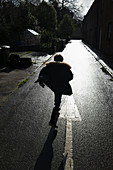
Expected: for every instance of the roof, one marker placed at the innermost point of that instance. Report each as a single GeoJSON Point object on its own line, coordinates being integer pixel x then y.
{"type": "Point", "coordinates": [33, 32]}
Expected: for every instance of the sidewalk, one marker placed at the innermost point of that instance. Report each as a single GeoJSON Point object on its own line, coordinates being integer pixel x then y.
{"type": "Point", "coordinates": [9, 79]}
{"type": "Point", "coordinates": [105, 61]}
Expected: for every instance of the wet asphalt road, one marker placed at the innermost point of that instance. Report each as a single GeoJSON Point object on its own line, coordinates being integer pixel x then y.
{"type": "Point", "coordinates": [93, 94]}
{"type": "Point", "coordinates": [25, 137]}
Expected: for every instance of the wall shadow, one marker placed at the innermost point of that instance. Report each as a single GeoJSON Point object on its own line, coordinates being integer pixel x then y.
{"type": "Point", "coordinates": [107, 59]}
{"type": "Point", "coordinates": [45, 158]}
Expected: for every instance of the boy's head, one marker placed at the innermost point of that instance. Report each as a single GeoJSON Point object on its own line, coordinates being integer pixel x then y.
{"type": "Point", "coordinates": [58, 57]}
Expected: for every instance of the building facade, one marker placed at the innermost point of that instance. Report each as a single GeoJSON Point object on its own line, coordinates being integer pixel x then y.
{"type": "Point", "coordinates": [97, 28]}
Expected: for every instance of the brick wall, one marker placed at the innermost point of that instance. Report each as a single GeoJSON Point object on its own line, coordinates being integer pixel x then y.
{"type": "Point", "coordinates": [98, 26]}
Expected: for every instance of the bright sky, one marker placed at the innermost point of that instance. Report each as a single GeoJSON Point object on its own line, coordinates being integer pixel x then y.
{"type": "Point", "coordinates": [86, 5]}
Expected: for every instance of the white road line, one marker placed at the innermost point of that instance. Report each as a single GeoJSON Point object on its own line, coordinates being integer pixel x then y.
{"type": "Point", "coordinates": [69, 111]}
{"type": "Point", "coordinates": [68, 146]}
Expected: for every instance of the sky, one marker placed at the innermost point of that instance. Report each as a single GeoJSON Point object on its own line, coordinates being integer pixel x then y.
{"type": "Point", "coordinates": [86, 5]}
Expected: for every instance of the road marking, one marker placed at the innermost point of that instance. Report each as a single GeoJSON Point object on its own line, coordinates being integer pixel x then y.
{"type": "Point", "coordinates": [69, 111]}
{"type": "Point", "coordinates": [68, 146]}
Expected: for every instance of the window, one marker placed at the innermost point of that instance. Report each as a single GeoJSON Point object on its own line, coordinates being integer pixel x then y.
{"type": "Point", "coordinates": [109, 31]}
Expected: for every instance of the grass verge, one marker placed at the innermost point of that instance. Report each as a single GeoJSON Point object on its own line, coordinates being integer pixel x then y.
{"type": "Point", "coordinates": [23, 82]}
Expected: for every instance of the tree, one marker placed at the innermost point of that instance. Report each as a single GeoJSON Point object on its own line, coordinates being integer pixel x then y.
{"type": "Point", "coordinates": [66, 27]}
{"type": "Point", "coordinates": [47, 17]}
{"type": "Point", "coordinates": [15, 19]}
{"type": "Point", "coordinates": [6, 20]}
{"type": "Point", "coordinates": [71, 7]}
{"type": "Point", "coordinates": [60, 11]}
{"type": "Point", "coordinates": [24, 18]}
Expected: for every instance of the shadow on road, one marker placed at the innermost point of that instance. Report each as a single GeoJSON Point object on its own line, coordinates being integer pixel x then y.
{"type": "Point", "coordinates": [63, 163]}
{"type": "Point", "coordinates": [46, 155]}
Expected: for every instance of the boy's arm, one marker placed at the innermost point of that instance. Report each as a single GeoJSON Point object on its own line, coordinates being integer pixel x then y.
{"type": "Point", "coordinates": [71, 75]}
{"type": "Point", "coordinates": [40, 79]}
{"type": "Point", "coordinates": [40, 82]}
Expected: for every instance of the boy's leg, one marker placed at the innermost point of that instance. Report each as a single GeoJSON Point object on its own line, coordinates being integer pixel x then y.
{"type": "Point", "coordinates": [58, 97]}
{"type": "Point", "coordinates": [55, 113]}
{"type": "Point", "coordinates": [54, 117]}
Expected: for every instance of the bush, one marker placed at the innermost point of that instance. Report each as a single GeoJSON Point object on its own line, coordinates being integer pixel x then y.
{"type": "Point", "coordinates": [66, 27]}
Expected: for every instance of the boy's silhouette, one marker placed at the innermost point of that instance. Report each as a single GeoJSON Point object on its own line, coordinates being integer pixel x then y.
{"type": "Point", "coordinates": [56, 75]}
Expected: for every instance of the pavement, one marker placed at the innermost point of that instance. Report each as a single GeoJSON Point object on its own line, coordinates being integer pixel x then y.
{"type": "Point", "coordinates": [105, 61]}
{"type": "Point", "coordinates": [9, 79]}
